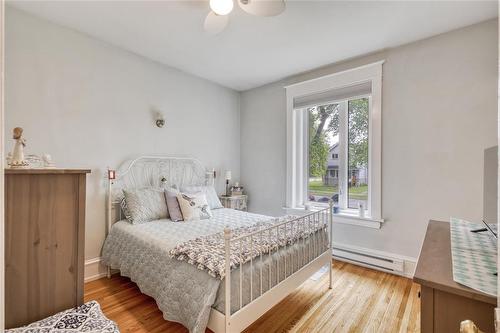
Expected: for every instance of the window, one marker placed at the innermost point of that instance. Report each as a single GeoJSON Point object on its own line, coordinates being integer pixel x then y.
{"type": "Point", "coordinates": [324, 132]}
{"type": "Point", "coordinates": [357, 151]}
{"type": "Point", "coordinates": [334, 141]}
{"type": "Point", "coordinates": [323, 138]}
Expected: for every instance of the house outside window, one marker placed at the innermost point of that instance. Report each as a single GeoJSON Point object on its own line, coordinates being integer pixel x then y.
{"type": "Point", "coordinates": [334, 141]}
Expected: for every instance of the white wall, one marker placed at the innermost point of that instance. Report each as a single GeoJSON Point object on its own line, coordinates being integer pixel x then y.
{"type": "Point", "coordinates": [439, 114]}
{"type": "Point", "coordinates": [89, 104]}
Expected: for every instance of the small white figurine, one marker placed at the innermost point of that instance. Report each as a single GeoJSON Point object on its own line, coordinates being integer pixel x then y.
{"type": "Point", "coordinates": [17, 160]}
{"type": "Point", "coordinates": [47, 161]}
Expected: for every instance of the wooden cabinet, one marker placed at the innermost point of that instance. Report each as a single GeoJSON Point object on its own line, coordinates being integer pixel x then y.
{"type": "Point", "coordinates": [445, 303]}
{"type": "Point", "coordinates": [44, 242]}
{"type": "Point", "coordinates": [238, 202]}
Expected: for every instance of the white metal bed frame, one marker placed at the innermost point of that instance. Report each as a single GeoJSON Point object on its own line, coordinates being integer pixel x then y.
{"type": "Point", "coordinates": [152, 171]}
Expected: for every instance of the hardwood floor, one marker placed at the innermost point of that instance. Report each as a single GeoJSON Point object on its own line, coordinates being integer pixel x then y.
{"type": "Point", "coordinates": [362, 300]}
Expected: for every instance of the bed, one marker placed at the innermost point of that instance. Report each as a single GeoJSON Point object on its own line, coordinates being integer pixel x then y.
{"type": "Point", "coordinates": [190, 295]}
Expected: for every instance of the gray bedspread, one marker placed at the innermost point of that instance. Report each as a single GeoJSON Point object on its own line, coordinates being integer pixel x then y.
{"type": "Point", "coordinates": [182, 292]}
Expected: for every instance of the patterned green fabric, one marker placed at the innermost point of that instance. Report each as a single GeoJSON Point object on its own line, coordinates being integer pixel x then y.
{"type": "Point", "coordinates": [474, 256]}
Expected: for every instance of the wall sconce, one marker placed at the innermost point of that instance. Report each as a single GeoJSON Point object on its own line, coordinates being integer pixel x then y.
{"type": "Point", "coordinates": [160, 119]}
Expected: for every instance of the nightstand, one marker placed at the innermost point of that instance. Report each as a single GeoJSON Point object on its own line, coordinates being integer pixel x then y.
{"type": "Point", "coordinates": [238, 202]}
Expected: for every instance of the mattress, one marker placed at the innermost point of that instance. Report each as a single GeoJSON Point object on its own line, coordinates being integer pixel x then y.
{"type": "Point", "coordinates": [184, 293]}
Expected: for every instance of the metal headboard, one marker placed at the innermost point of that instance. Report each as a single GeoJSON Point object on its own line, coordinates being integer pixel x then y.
{"type": "Point", "coordinates": [150, 171]}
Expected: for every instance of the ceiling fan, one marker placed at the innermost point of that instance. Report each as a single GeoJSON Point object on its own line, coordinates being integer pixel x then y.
{"type": "Point", "coordinates": [218, 18]}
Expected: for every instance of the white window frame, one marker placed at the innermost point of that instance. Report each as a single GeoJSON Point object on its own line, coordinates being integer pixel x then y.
{"type": "Point", "coordinates": [297, 143]}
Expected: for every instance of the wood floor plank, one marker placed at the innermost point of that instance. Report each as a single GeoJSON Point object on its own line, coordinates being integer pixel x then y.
{"type": "Point", "coordinates": [371, 299]}
{"type": "Point", "coordinates": [409, 307]}
{"type": "Point", "coordinates": [362, 300]}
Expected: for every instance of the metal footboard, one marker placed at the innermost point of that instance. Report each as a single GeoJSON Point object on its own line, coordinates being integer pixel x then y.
{"type": "Point", "coordinates": [315, 244]}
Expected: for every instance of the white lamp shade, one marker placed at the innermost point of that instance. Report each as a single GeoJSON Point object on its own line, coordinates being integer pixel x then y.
{"type": "Point", "coordinates": [221, 7]}
{"type": "Point", "coordinates": [228, 175]}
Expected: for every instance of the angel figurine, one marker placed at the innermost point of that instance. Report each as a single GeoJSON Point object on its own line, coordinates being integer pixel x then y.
{"type": "Point", "coordinates": [17, 159]}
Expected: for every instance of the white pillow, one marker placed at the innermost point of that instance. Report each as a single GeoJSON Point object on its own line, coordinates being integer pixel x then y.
{"type": "Point", "coordinates": [209, 191]}
{"type": "Point", "coordinates": [194, 206]}
{"type": "Point", "coordinates": [144, 205]}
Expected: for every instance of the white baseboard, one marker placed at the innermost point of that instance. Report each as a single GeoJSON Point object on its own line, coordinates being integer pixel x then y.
{"type": "Point", "coordinates": [361, 256]}
{"type": "Point", "coordinates": [94, 269]}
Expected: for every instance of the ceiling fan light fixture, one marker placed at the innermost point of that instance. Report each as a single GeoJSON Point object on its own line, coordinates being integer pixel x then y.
{"type": "Point", "coordinates": [221, 7]}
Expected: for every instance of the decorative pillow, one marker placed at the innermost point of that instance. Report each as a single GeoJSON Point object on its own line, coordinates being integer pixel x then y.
{"type": "Point", "coordinates": [209, 191]}
{"type": "Point", "coordinates": [194, 206]}
{"type": "Point", "coordinates": [145, 205]}
{"type": "Point", "coordinates": [85, 318]}
{"type": "Point", "coordinates": [173, 205]}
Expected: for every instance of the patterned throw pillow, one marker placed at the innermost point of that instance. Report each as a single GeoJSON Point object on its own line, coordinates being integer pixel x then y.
{"type": "Point", "coordinates": [85, 318]}
{"type": "Point", "coordinates": [123, 205]}
{"type": "Point", "coordinates": [194, 206]}
{"type": "Point", "coordinates": [173, 205]}
{"type": "Point", "coordinates": [209, 191]}
{"type": "Point", "coordinates": [145, 205]}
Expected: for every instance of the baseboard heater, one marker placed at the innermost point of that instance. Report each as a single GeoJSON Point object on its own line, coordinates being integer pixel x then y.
{"type": "Point", "coordinates": [367, 259]}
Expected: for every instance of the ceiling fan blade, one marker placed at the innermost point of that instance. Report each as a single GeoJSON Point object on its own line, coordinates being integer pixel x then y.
{"type": "Point", "coordinates": [215, 23]}
{"type": "Point", "coordinates": [263, 7]}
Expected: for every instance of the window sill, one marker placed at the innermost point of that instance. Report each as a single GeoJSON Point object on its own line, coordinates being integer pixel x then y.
{"type": "Point", "coordinates": [344, 217]}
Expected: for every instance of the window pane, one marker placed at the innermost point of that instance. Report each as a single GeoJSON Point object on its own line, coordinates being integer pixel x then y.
{"type": "Point", "coordinates": [323, 153]}
{"type": "Point", "coordinates": [358, 111]}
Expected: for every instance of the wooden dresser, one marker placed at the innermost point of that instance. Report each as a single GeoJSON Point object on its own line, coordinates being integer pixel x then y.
{"type": "Point", "coordinates": [445, 303]}
{"type": "Point", "coordinates": [44, 242]}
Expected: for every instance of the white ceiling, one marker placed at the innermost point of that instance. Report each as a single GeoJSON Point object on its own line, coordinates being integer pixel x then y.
{"type": "Point", "coordinates": [253, 51]}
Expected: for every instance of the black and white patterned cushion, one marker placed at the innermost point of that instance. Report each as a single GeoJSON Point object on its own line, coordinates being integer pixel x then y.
{"type": "Point", "coordinates": [85, 318]}
{"type": "Point", "coordinates": [194, 206]}
{"type": "Point", "coordinates": [208, 190]}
